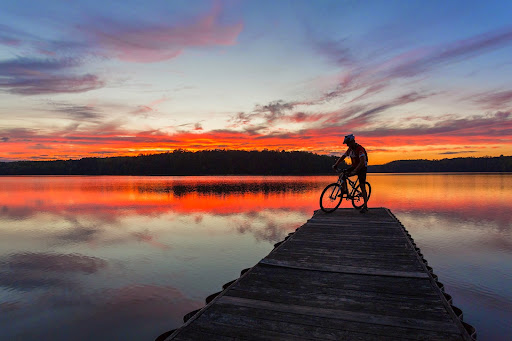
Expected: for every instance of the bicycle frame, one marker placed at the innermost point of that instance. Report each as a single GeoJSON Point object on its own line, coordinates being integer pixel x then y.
{"type": "Point", "coordinates": [333, 194]}
{"type": "Point", "coordinates": [343, 178]}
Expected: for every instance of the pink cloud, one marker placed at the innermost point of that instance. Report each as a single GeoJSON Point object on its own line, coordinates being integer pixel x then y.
{"type": "Point", "coordinates": [136, 42]}
{"type": "Point", "coordinates": [494, 100]}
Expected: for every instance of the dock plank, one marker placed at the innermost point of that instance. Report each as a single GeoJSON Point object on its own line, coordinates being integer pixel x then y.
{"type": "Point", "coordinates": [340, 276]}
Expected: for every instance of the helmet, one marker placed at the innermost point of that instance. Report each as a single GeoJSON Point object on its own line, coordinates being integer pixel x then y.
{"type": "Point", "coordinates": [348, 138]}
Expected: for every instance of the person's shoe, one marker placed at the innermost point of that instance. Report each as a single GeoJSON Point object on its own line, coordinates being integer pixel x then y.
{"type": "Point", "coordinates": [364, 210]}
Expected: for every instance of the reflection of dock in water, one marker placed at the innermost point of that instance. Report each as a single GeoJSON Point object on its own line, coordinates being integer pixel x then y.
{"type": "Point", "coordinates": [340, 276]}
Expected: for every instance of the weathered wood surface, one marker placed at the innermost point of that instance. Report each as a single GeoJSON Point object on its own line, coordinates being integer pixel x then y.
{"type": "Point", "coordinates": [341, 276]}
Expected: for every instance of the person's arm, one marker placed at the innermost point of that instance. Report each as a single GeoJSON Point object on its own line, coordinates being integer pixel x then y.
{"type": "Point", "coordinates": [339, 161]}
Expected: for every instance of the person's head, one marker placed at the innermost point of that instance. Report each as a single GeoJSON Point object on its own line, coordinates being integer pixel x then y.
{"type": "Point", "coordinates": [349, 140]}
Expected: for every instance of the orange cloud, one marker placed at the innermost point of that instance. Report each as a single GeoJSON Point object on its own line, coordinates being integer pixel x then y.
{"type": "Point", "coordinates": [480, 133]}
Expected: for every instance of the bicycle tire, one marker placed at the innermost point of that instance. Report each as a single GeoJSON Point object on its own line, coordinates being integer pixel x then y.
{"type": "Point", "coordinates": [330, 196]}
{"type": "Point", "coordinates": [357, 200]}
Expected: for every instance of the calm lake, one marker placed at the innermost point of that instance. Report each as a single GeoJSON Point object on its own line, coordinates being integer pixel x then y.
{"type": "Point", "coordinates": [103, 258]}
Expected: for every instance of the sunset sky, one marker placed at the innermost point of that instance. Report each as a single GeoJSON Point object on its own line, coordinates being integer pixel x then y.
{"type": "Point", "coordinates": [411, 79]}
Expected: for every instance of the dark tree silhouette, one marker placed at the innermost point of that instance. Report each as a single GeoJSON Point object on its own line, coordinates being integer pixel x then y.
{"type": "Point", "coordinates": [182, 162]}
{"type": "Point", "coordinates": [239, 162]}
{"type": "Point", "coordinates": [467, 164]}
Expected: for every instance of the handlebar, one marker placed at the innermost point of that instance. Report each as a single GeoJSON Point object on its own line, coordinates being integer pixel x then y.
{"type": "Point", "coordinates": [342, 172]}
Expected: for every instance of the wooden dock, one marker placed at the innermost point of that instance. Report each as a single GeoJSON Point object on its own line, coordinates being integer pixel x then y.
{"type": "Point", "coordinates": [340, 276]}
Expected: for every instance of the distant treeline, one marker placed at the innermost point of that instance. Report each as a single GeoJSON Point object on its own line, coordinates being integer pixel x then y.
{"type": "Point", "coordinates": [466, 164]}
{"type": "Point", "coordinates": [238, 162]}
{"type": "Point", "coordinates": [181, 162]}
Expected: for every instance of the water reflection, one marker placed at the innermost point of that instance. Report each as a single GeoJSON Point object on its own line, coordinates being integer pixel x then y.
{"type": "Point", "coordinates": [107, 257]}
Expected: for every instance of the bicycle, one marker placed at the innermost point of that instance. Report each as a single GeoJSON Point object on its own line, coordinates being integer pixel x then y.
{"type": "Point", "coordinates": [332, 195]}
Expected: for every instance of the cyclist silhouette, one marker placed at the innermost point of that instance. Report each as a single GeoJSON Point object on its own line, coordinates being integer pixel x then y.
{"type": "Point", "coordinates": [359, 166]}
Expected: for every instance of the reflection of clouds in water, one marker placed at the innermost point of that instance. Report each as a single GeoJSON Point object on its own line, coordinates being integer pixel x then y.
{"type": "Point", "coordinates": [7, 307]}
{"type": "Point", "coordinates": [198, 218]}
{"type": "Point", "coordinates": [33, 271]}
{"type": "Point", "coordinates": [264, 226]}
{"type": "Point", "coordinates": [78, 235]}
{"type": "Point", "coordinates": [23, 280]}
{"type": "Point", "coordinates": [148, 238]}
{"type": "Point", "coordinates": [136, 312]}
{"type": "Point", "coordinates": [480, 218]}
{"type": "Point", "coordinates": [56, 291]}
{"type": "Point", "coordinates": [95, 235]}
{"type": "Point", "coordinates": [154, 309]}
{"type": "Point", "coordinates": [53, 262]}
{"type": "Point", "coordinates": [17, 212]}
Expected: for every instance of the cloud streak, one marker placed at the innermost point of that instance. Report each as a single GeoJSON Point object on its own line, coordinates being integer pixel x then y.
{"type": "Point", "coordinates": [494, 100]}
{"type": "Point", "coordinates": [378, 76]}
{"type": "Point", "coordinates": [135, 41]}
{"type": "Point", "coordinates": [29, 76]}
{"type": "Point", "coordinates": [485, 129]}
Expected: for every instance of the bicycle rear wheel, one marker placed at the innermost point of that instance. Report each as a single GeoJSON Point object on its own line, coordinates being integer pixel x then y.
{"type": "Point", "coordinates": [357, 200]}
{"type": "Point", "coordinates": [331, 198]}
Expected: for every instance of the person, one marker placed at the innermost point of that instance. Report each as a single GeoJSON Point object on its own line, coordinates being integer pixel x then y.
{"type": "Point", "coordinates": [359, 158]}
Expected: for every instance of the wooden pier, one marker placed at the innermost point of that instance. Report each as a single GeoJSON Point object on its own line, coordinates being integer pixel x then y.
{"type": "Point", "coordinates": [340, 276]}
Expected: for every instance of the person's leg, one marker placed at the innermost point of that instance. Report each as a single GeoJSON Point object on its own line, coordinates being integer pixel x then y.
{"type": "Point", "coordinates": [344, 185]}
{"type": "Point", "coordinates": [362, 181]}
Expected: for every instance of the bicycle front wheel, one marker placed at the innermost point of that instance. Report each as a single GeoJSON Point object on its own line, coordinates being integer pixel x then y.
{"type": "Point", "coordinates": [357, 200]}
{"type": "Point", "coordinates": [331, 198]}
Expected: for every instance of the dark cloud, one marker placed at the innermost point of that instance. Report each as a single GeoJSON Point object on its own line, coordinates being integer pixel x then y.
{"type": "Point", "coordinates": [51, 85]}
{"type": "Point", "coordinates": [39, 146]}
{"type": "Point", "coordinates": [241, 119]}
{"type": "Point", "coordinates": [105, 152]}
{"type": "Point", "coordinates": [493, 100]}
{"type": "Point", "coordinates": [353, 118]}
{"type": "Point", "coordinates": [270, 113]}
{"type": "Point", "coordinates": [274, 110]}
{"type": "Point", "coordinates": [25, 76]}
{"type": "Point", "coordinates": [489, 126]}
{"type": "Point", "coordinates": [78, 112]}
{"type": "Point", "coordinates": [19, 134]}
{"type": "Point", "coordinates": [460, 152]}
{"type": "Point", "coordinates": [32, 66]}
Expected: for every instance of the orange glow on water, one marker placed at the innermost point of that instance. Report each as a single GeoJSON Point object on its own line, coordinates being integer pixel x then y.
{"type": "Point", "coordinates": [112, 196]}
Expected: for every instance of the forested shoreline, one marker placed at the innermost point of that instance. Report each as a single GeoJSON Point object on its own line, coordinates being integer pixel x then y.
{"type": "Point", "coordinates": [182, 162]}
{"type": "Point", "coordinates": [238, 162]}
{"type": "Point", "coordinates": [467, 164]}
